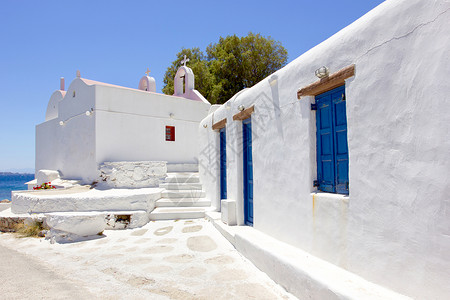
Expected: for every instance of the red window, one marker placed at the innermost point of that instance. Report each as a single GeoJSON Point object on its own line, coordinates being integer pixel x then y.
{"type": "Point", "coordinates": [170, 133]}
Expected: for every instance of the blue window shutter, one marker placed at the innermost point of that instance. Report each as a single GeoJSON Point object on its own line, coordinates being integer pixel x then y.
{"type": "Point", "coordinates": [325, 151]}
{"type": "Point", "coordinates": [340, 140]}
{"type": "Point", "coordinates": [332, 146]}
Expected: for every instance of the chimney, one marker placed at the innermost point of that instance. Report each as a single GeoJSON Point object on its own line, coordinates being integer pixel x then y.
{"type": "Point", "coordinates": [61, 84]}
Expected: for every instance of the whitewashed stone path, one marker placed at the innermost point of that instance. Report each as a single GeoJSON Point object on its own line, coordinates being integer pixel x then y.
{"type": "Point", "coordinates": [185, 259]}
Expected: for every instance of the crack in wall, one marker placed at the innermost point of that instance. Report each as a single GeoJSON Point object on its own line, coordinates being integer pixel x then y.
{"type": "Point", "coordinates": [405, 35]}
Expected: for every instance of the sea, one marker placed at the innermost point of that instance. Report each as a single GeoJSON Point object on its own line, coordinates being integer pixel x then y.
{"type": "Point", "coordinates": [13, 182]}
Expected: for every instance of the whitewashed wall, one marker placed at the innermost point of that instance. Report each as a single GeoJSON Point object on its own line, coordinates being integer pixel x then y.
{"type": "Point", "coordinates": [69, 148]}
{"type": "Point", "coordinates": [130, 125]}
{"type": "Point", "coordinates": [394, 227]}
{"type": "Point", "coordinates": [47, 154]}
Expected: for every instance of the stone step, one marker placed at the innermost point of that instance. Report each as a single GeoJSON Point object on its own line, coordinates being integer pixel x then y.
{"type": "Point", "coordinates": [183, 194]}
{"type": "Point", "coordinates": [175, 174]}
{"type": "Point", "coordinates": [81, 198]}
{"type": "Point", "coordinates": [175, 213]}
{"type": "Point", "coordinates": [182, 178]}
{"type": "Point", "coordinates": [182, 167]}
{"type": "Point", "coordinates": [183, 202]}
{"type": "Point", "coordinates": [181, 186]}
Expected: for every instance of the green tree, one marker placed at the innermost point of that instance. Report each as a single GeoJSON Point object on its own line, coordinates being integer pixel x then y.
{"type": "Point", "coordinates": [198, 64]}
{"type": "Point", "coordinates": [230, 65]}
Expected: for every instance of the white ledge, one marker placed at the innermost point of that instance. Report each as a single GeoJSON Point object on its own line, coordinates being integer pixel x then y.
{"type": "Point", "coordinates": [330, 196]}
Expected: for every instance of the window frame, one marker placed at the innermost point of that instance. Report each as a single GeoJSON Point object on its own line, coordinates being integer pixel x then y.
{"type": "Point", "coordinates": [170, 133]}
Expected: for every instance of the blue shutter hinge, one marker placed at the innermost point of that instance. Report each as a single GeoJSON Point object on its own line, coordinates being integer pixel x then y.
{"type": "Point", "coordinates": [315, 183]}
{"type": "Point", "coordinates": [313, 106]}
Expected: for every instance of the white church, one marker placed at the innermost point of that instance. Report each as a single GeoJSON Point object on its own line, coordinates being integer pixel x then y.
{"type": "Point", "coordinates": [332, 175]}
{"type": "Point", "coordinates": [94, 122]}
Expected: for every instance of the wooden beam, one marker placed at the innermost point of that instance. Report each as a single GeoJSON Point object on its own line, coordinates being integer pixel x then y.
{"type": "Point", "coordinates": [327, 83]}
{"type": "Point", "coordinates": [245, 114]}
{"type": "Point", "coordinates": [219, 125]}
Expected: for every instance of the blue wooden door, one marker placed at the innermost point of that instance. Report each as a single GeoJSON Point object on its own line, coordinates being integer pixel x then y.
{"type": "Point", "coordinates": [248, 170]}
{"type": "Point", "coordinates": [332, 146]}
{"type": "Point", "coordinates": [223, 164]}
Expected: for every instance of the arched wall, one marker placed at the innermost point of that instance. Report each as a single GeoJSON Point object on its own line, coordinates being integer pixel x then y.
{"type": "Point", "coordinates": [53, 104]}
{"type": "Point", "coordinates": [184, 74]}
{"type": "Point", "coordinates": [148, 84]}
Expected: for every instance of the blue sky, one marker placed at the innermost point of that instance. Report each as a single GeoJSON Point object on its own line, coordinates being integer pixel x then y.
{"type": "Point", "coordinates": [116, 41]}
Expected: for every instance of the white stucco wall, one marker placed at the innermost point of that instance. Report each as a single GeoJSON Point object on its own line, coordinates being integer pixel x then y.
{"type": "Point", "coordinates": [131, 124]}
{"type": "Point", "coordinates": [70, 147]}
{"type": "Point", "coordinates": [47, 146]}
{"type": "Point", "coordinates": [393, 229]}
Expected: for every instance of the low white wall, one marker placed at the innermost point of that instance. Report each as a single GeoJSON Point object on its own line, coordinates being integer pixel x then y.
{"type": "Point", "coordinates": [133, 174]}
{"type": "Point", "coordinates": [44, 176]}
{"type": "Point", "coordinates": [27, 202]}
{"type": "Point", "coordinates": [392, 229]}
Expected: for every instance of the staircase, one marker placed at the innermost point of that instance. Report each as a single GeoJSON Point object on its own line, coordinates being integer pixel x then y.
{"type": "Point", "coordinates": [183, 198]}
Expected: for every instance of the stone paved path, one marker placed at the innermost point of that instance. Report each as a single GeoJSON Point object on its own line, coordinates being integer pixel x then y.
{"type": "Point", "coordinates": [185, 259]}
